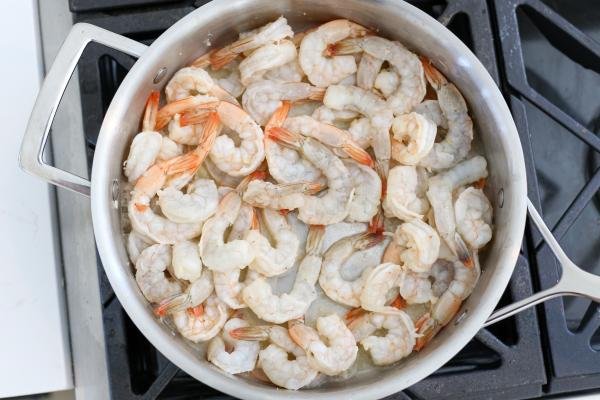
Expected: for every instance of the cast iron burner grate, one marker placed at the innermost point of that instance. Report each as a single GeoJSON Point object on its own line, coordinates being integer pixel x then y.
{"type": "Point", "coordinates": [504, 361]}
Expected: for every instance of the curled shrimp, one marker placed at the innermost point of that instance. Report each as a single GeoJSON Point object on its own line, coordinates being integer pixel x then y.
{"type": "Point", "coordinates": [262, 98]}
{"type": "Point", "coordinates": [136, 243]}
{"type": "Point", "coordinates": [290, 72]}
{"type": "Point", "coordinates": [150, 273]}
{"type": "Point", "coordinates": [379, 283]}
{"type": "Point", "coordinates": [281, 369]}
{"type": "Point", "coordinates": [420, 243]}
{"type": "Point", "coordinates": [361, 131]}
{"type": "Point", "coordinates": [271, 55]}
{"type": "Point", "coordinates": [331, 280]}
{"type": "Point", "coordinates": [367, 192]}
{"type": "Point", "coordinates": [242, 357]}
{"type": "Point", "coordinates": [169, 149]}
{"type": "Point", "coordinates": [406, 193]}
{"type": "Point", "coordinates": [264, 194]}
{"type": "Point", "coordinates": [190, 81]}
{"type": "Point", "coordinates": [387, 82]}
{"type": "Point", "coordinates": [331, 356]}
{"type": "Point", "coordinates": [439, 194]}
{"type": "Point", "coordinates": [192, 298]}
{"type": "Point", "coordinates": [273, 260]}
{"type": "Point", "coordinates": [186, 261]}
{"type": "Point", "coordinates": [221, 178]}
{"type": "Point", "coordinates": [321, 70]}
{"type": "Point", "coordinates": [215, 253]}
{"type": "Point", "coordinates": [287, 306]}
{"type": "Point", "coordinates": [228, 78]}
{"type": "Point", "coordinates": [473, 213]}
{"type": "Point", "coordinates": [431, 110]}
{"type": "Point", "coordinates": [407, 65]}
{"type": "Point", "coordinates": [367, 71]}
{"type": "Point", "coordinates": [202, 323]}
{"type": "Point", "coordinates": [186, 134]}
{"type": "Point", "coordinates": [457, 143]}
{"type": "Point", "coordinates": [367, 103]}
{"type": "Point", "coordinates": [196, 206]}
{"type": "Point", "coordinates": [334, 117]}
{"type": "Point", "coordinates": [413, 139]}
{"type": "Point", "coordinates": [398, 341]}
{"type": "Point", "coordinates": [333, 206]}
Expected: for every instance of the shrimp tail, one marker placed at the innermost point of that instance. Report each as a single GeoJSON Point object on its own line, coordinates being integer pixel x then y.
{"type": "Point", "coordinates": [376, 224]}
{"type": "Point", "coordinates": [180, 106]}
{"type": "Point", "coordinates": [367, 240]}
{"type": "Point", "coordinates": [398, 303]}
{"type": "Point", "coordinates": [151, 112]}
{"type": "Point", "coordinates": [317, 94]}
{"type": "Point", "coordinates": [172, 304]}
{"type": "Point", "coordinates": [357, 154]}
{"type": "Point", "coordinates": [354, 314]}
{"type": "Point", "coordinates": [250, 333]}
{"type": "Point", "coordinates": [314, 241]}
{"type": "Point", "coordinates": [279, 115]}
{"type": "Point", "coordinates": [195, 117]}
{"type": "Point", "coordinates": [427, 327]}
{"type": "Point", "coordinates": [203, 61]}
{"type": "Point", "coordinates": [195, 312]}
{"type": "Point", "coordinates": [224, 56]}
{"type": "Point", "coordinates": [346, 46]}
{"type": "Point", "coordinates": [285, 137]}
{"type": "Point", "coordinates": [381, 170]}
{"type": "Point", "coordinates": [462, 251]}
{"type": "Point", "coordinates": [255, 224]}
{"type": "Point", "coordinates": [434, 77]}
{"type": "Point", "coordinates": [256, 175]}
{"type": "Point", "coordinates": [312, 188]}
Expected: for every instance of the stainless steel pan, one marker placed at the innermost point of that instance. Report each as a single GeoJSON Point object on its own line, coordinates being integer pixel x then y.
{"type": "Point", "coordinates": [220, 22]}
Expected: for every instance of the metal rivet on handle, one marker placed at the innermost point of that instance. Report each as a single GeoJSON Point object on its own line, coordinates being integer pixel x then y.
{"type": "Point", "coordinates": [500, 198]}
{"type": "Point", "coordinates": [160, 75]}
{"type": "Point", "coordinates": [461, 317]}
{"type": "Point", "coordinates": [115, 193]}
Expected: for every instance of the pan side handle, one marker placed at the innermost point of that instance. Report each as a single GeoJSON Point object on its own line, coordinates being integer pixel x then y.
{"type": "Point", "coordinates": [54, 85]}
{"type": "Point", "coordinates": [573, 282]}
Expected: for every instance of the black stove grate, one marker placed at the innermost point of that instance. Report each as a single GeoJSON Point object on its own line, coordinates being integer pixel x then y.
{"type": "Point", "coordinates": [504, 361]}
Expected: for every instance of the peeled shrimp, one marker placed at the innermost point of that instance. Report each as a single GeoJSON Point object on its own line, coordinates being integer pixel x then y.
{"type": "Point", "coordinates": [367, 192]}
{"type": "Point", "coordinates": [473, 213]}
{"type": "Point", "coordinates": [397, 343]}
{"type": "Point", "coordinates": [205, 323]}
{"type": "Point", "coordinates": [439, 194]}
{"type": "Point", "coordinates": [321, 70]}
{"type": "Point", "coordinates": [431, 110]}
{"type": "Point", "coordinates": [196, 206]}
{"type": "Point", "coordinates": [215, 253]}
{"type": "Point", "coordinates": [192, 298]}
{"type": "Point", "coordinates": [188, 134]}
{"type": "Point", "coordinates": [136, 243]}
{"type": "Point", "coordinates": [262, 98]}
{"type": "Point", "coordinates": [405, 197]}
{"type": "Point", "coordinates": [228, 78]}
{"type": "Point", "coordinates": [284, 307]}
{"type": "Point", "coordinates": [221, 178]}
{"type": "Point", "coordinates": [361, 131]}
{"type": "Point", "coordinates": [290, 373]}
{"type": "Point", "coordinates": [279, 197]}
{"type": "Point", "coordinates": [186, 261]}
{"type": "Point", "coordinates": [169, 149]}
{"type": "Point", "coordinates": [331, 356]}
{"type": "Point", "coordinates": [413, 138]}
{"type": "Point", "coordinates": [190, 81]}
{"type": "Point", "coordinates": [421, 245]}
{"type": "Point", "coordinates": [273, 260]}
{"type": "Point", "coordinates": [457, 143]}
{"type": "Point", "coordinates": [331, 280]}
{"type": "Point", "coordinates": [368, 69]}
{"type": "Point", "coordinates": [407, 65]}
{"type": "Point", "coordinates": [243, 356]}
{"type": "Point", "coordinates": [387, 82]}
{"type": "Point", "coordinates": [413, 287]}
{"type": "Point", "coordinates": [290, 72]}
{"type": "Point", "coordinates": [150, 273]}
{"type": "Point", "coordinates": [271, 55]}
{"type": "Point", "coordinates": [379, 282]}
{"type": "Point", "coordinates": [334, 117]}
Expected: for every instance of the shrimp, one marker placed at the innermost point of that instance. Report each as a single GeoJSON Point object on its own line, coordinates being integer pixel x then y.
{"type": "Point", "coordinates": [411, 89]}
{"type": "Point", "coordinates": [150, 273]}
{"type": "Point", "coordinates": [169, 149]}
{"type": "Point", "coordinates": [421, 245]}
{"type": "Point", "coordinates": [290, 373]}
{"type": "Point", "coordinates": [142, 217]}
{"type": "Point", "coordinates": [368, 69]}
{"type": "Point", "coordinates": [361, 131]}
{"type": "Point", "coordinates": [186, 261]}
{"type": "Point", "coordinates": [188, 134]}
{"type": "Point", "coordinates": [473, 213]}
{"type": "Point", "coordinates": [195, 294]}
{"type": "Point", "coordinates": [439, 194]}
{"type": "Point", "coordinates": [286, 165]}
{"type": "Point", "coordinates": [273, 260]}
{"type": "Point", "coordinates": [243, 356]}
{"type": "Point", "coordinates": [367, 192]}
{"type": "Point", "coordinates": [367, 103]}
{"type": "Point", "coordinates": [190, 81]}
{"type": "Point", "coordinates": [271, 55]}
{"type": "Point", "coordinates": [334, 117]}
{"type": "Point", "coordinates": [196, 206]}
{"type": "Point", "coordinates": [215, 253]}
{"type": "Point", "coordinates": [242, 160]}
{"type": "Point", "coordinates": [321, 70]}
{"type": "Point", "coordinates": [431, 110]}
{"type": "Point", "coordinates": [387, 82]}
{"type": "Point", "coordinates": [442, 273]}
{"type": "Point", "coordinates": [405, 197]}
{"type": "Point", "coordinates": [414, 287]}
{"type": "Point", "coordinates": [290, 72]}
{"type": "Point", "coordinates": [379, 282]}
{"type": "Point", "coordinates": [220, 177]}
{"type": "Point", "coordinates": [333, 206]}
{"type": "Point", "coordinates": [203, 324]}
{"type": "Point", "coordinates": [331, 356]}
{"type": "Point", "coordinates": [228, 78]}
{"type": "Point", "coordinates": [281, 308]}
{"type": "Point", "coordinates": [269, 33]}
{"type": "Point", "coordinates": [462, 285]}
{"type": "Point", "coordinates": [146, 145]}
{"type": "Point", "coordinates": [413, 139]}
{"type": "Point", "coordinates": [261, 99]}
{"type": "Point", "coordinates": [264, 194]}
{"type": "Point", "coordinates": [136, 243]}
{"type": "Point", "coordinates": [331, 280]}
{"type": "Point", "coordinates": [397, 343]}
{"type": "Point", "coordinates": [457, 143]}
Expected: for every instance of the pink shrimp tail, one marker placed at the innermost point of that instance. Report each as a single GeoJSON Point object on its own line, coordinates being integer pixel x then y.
{"type": "Point", "coordinates": [285, 137]}
{"type": "Point", "coordinates": [150, 115]}
{"type": "Point", "coordinates": [435, 78]}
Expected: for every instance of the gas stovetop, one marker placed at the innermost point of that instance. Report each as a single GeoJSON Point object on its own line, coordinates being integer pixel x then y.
{"type": "Point", "coordinates": [545, 56]}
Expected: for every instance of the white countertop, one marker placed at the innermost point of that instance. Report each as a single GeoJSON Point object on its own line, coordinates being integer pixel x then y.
{"type": "Point", "coordinates": [34, 346]}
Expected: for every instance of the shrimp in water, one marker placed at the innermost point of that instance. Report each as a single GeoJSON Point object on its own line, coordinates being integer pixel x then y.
{"type": "Point", "coordinates": [457, 143]}
{"type": "Point", "coordinates": [407, 65]}
{"type": "Point", "coordinates": [287, 306]}
{"type": "Point", "coordinates": [421, 245]}
{"type": "Point", "coordinates": [273, 260]}
{"type": "Point", "coordinates": [413, 138]}
{"type": "Point", "coordinates": [367, 192]}
{"type": "Point", "coordinates": [397, 343]}
{"type": "Point", "coordinates": [272, 55]}
{"type": "Point", "coordinates": [196, 206]}
{"type": "Point", "coordinates": [150, 273]}
{"type": "Point", "coordinates": [331, 280]}
{"type": "Point", "coordinates": [405, 197]}
{"type": "Point", "coordinates": [279, 197]}
{"type": "Point", "coordinates": [290, 373]}
{"type": "Point", "coordinates": [189, 81]}
{"type": "Point", "coordinates": [473, 213]}
{"type": "Point", "coordinates": [439, 194]}
{"type": "Point", "coordinates": [243, 356]}
{"type": "Point", "coordinates": [321, 70]}
{"type": "Point", "coordinates": [379, 282]}
{"type": "Point", "coordinates": [203, 323]}
{"type": "Point", "coordinates": [331, 356]}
